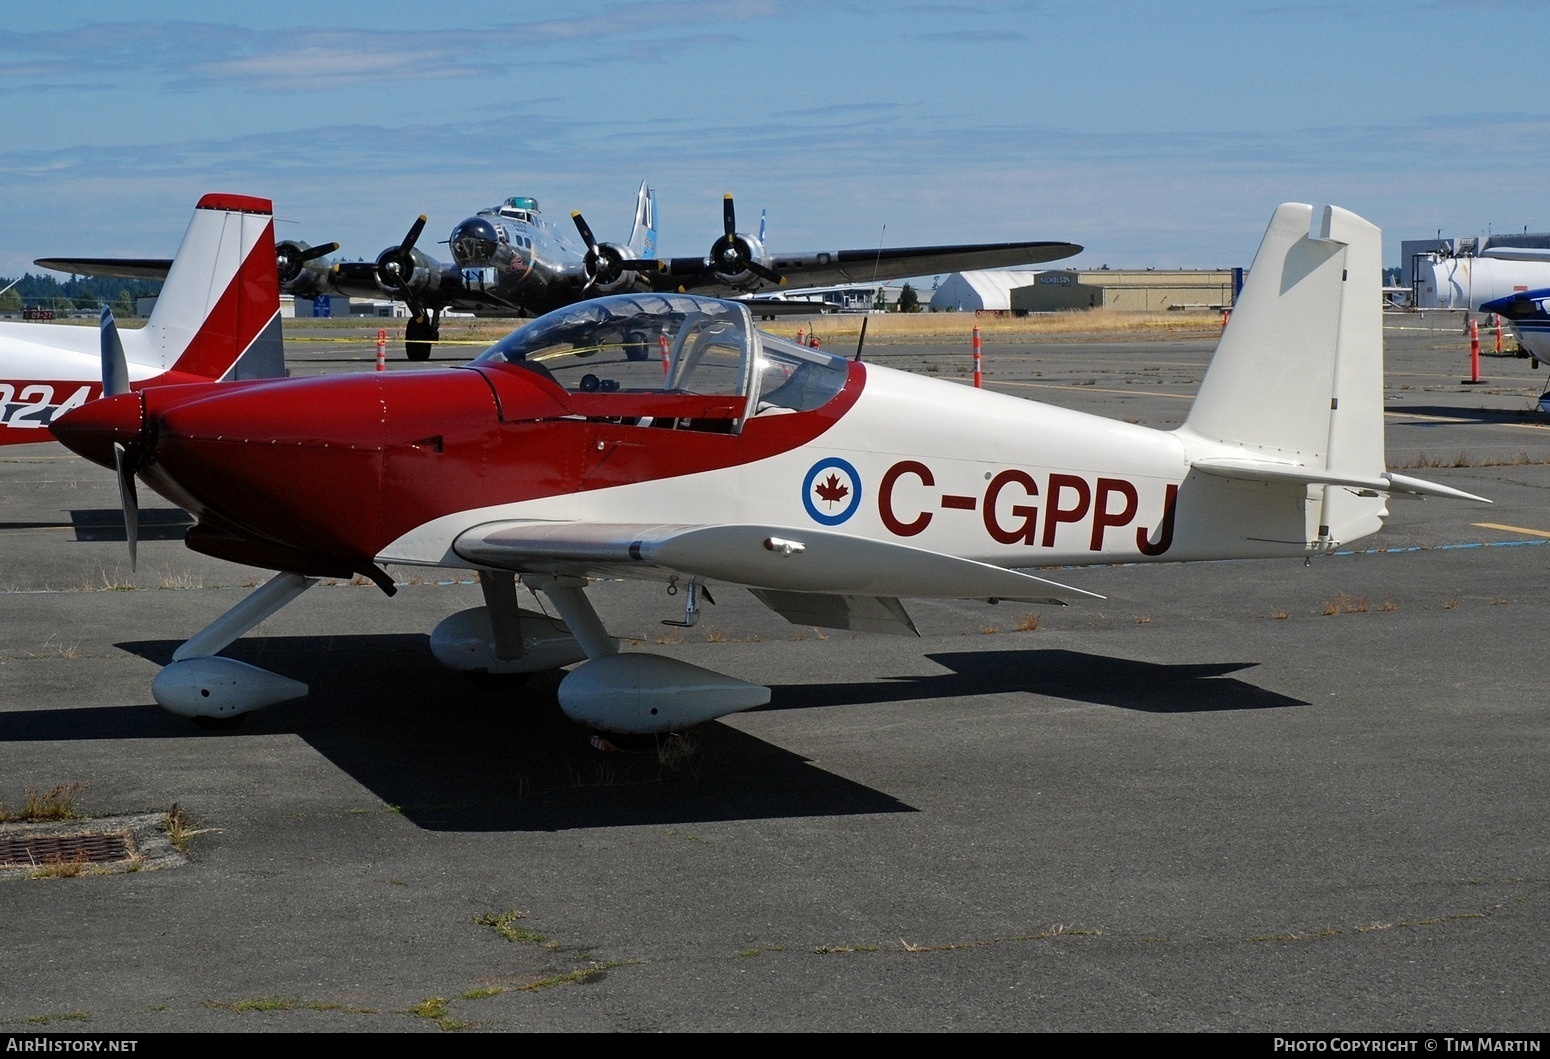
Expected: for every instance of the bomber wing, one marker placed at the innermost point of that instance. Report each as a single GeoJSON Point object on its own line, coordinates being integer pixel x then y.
{"type": "Point", "coordinates": [152, 268]}
{"type": "Point", "coordinates": [865, 266]}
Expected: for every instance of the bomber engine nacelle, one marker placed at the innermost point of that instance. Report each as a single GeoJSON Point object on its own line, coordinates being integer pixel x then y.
{"type": "Point", "coordinates": [407, 274]}
{"type": "Point", "coordinates": [732, 258]}
{"type": "Point", "coordinates": [291, 262]}
{"type": "Point", "coordinates": [738, 259]}
{"type": "Point", "coordinates": [606, 271]}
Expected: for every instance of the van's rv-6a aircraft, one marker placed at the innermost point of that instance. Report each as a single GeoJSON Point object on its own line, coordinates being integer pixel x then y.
{"type": "Point", "coordinates": [830, 488]}
{"type": "Point", "coordinates": [218, 317]}
{"type": "Point", "coordinates": [509, 261]}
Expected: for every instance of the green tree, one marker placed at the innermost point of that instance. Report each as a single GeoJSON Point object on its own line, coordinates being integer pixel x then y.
{"type": "Point", "coordinates": [909, 301]}
{"type": "Point", "coordinates": [10, 301]}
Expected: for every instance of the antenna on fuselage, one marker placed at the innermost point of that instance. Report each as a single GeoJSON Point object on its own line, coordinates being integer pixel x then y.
{"type": "Point", "coordinates": [862, 340]}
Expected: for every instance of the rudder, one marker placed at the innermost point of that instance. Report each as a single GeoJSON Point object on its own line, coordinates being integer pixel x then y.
{"type": "Point", "coordinates": [1298, 375]}
{"type": "Point", "coordinates": [218, 315]}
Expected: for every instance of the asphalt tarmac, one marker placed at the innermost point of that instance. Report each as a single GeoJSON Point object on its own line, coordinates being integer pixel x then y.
{"type": "Point", "coordinates": [1231, 796]}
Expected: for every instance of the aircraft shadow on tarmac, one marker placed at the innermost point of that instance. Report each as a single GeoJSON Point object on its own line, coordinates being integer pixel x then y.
{"type": "Point", "coordinates": [1148, 687]}
{"type": "Point", "coordinates": [107, 524]}
{"type": "Point", "coordinates": [1452, 415]}
{"type": "Point", "coordinates": [458, 757]}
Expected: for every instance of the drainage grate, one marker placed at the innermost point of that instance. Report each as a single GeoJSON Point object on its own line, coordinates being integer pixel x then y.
{"type": "Point", "coordinates": [24, 851]}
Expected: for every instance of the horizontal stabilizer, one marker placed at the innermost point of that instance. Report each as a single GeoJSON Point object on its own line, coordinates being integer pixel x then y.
{"type": "Point", "coordinates": [1386, 482]}
{"type": "Point", "coordinates": [772, 557]}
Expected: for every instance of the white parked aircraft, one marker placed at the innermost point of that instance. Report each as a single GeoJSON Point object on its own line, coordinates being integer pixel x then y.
{"type": "Point", "coordinates": [830, 488]}
{"type": "Point", "coordinates": [218, 317]}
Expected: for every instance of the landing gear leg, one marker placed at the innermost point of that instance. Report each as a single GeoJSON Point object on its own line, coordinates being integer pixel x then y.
{"type": "Point", "coordinates": [422, 330]}
{"type": "Point", "coordinates": [201, 685]}
{"type": "Point", "coordinates": [569, 598]}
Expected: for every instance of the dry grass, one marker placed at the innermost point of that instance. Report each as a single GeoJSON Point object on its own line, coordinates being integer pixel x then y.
{"type": "Point", "coordinates": [57, 803]}
{"type": "Point", "coordinates": [180, 829]}
{"type": "Point", "coordinates": [1521, 458]}
{"type": "Point", "coordinates": [1344, 604]}
{"type": "Point", "coordinates": [58, 867]}
{"type": "Point", "coordinates": [1028, 623]}
{"type": "Point", "coordinates": [678, 753]}
{"type": "Point", "coordinates": [901, 326]}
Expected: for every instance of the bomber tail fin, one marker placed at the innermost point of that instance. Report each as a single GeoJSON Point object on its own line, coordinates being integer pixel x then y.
{"type": "Point", "coordinates": [1295, 390]}
{"type": "Point", "coordinates": [643, 233]}
{"type": "Point", "coordinates": [218, 315]}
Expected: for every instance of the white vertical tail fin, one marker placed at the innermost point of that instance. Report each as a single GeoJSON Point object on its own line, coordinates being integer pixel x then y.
{"type": "Point", "coordinates": [643, 233]}
{"type": "Point", "coordinates": [218, 315]}
{"type": "Point", "coordinates": [1294, 393]}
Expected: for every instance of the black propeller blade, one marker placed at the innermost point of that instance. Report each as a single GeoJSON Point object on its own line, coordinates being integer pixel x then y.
{"type": "Point", "coordinates": [603, 264]}
{"type": "Point", "coordinates": [731, 253]}
{"type": "Point", "coordinates": [293, 257]}
{"type": "Point", "coordinates": [395, 266]}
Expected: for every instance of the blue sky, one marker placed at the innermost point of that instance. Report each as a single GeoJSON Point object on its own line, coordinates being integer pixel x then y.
{"type": "Point", "coordinates": [1157, 134]}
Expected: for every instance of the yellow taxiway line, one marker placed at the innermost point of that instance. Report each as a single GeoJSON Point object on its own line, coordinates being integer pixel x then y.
{"type": "Point", "coordinates": [1512, 529]}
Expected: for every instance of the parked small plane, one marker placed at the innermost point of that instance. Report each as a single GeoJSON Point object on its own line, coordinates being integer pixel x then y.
{"type": "Point", "coordinates": [1528, 311]}
{"type": "Point", "coordinates": [218, 317]}
{"type": "Point", "coordinates": [829, 487]}
{"type": "Point", "coordinates": [509, 261]}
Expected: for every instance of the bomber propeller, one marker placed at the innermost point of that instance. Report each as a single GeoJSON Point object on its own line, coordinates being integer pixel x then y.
{"type": "Point", "coordinates": [604, 264]}
{"type": "Point", "coordinates": [291, 258]}
{"type": "Point", "coordinates": [395, 265]}
{"type": "Point", "coordinates": [732, 253]}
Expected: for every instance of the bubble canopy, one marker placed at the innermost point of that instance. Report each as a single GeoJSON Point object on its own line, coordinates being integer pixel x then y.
{"type": "Point", "coordinates": [671, 343]}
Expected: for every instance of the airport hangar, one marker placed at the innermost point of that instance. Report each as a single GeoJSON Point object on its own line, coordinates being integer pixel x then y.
{"type": "Point", "coordinates": [1122, 290]}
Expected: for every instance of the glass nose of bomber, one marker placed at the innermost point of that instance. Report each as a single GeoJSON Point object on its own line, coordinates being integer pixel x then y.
{"type": "Point", "coordinates": [474, 243]}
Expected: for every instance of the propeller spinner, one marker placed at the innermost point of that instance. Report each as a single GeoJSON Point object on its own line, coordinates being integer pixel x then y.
{"type": "Point", "coordinates": [291, 258]}
{"type": "Point", "coordinates": [733, 254]}
{"type": "Point", "coordinates": [604, 264]}
{"type": "Point", "coordinates": [396, 264]}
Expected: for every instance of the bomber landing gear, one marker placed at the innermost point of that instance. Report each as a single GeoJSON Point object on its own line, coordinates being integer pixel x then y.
{"type": "Point", "coordinates": [420, 333]}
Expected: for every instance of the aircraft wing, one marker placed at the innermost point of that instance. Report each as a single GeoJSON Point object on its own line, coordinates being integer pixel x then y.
{"type": "Point", "coordinates": [886, 263]}
{"type": "Point", "coordinates": [773, 558]}
{"type": "Point", "coordinates": [152, 268]}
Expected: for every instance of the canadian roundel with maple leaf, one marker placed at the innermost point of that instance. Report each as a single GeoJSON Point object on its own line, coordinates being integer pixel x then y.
{"type": "Point", "coordinates": [831, 492]}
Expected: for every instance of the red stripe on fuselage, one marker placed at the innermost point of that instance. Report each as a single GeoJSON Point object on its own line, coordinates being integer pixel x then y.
{"type": "Point", "coordinates": [344, 465]}
{"type": "Point", "coordinates": [244, 309]}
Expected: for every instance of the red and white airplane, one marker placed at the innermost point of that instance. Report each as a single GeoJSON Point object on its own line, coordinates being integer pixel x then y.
{"type": "Point", "coordinates": [218, 317]}
{"type": "Point", "coordinates": [829, 488]}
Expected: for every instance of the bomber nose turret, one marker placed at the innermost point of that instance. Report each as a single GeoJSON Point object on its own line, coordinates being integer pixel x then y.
{"type": "Point", "coordinates": [474, 243]}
